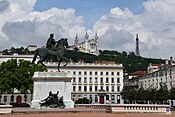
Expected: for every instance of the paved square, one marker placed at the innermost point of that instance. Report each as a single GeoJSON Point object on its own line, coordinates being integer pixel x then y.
{"type": "Point", "coordinates": [86, 115]}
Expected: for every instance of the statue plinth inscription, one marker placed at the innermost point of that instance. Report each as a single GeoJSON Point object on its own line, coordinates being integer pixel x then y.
{"type": "Point", "coordinates": [44, 82]}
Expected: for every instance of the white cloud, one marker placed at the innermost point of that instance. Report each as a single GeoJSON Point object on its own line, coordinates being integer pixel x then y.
{"type": "Point", "coordinates": [155, 26]}
{"type": "Point", "coordinates": [117, 40]}
{"type": "Point", "coordinates": [21, 26]}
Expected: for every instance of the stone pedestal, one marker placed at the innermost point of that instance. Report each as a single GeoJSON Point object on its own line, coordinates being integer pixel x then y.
{"type": "Point", "coordinates": [52, 81]}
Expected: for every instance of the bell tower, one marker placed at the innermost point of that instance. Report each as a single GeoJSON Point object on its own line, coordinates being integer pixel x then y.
{"type": "Point", "coordinates": [76, 39]}
{"type": "Point", "coordinates": [86, 36]}
{"type": "Point", "coordinates": [96, 36]}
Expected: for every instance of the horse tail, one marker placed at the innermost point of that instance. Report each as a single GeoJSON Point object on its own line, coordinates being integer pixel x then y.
{"type": "Point", "coordinates": [35, 55]}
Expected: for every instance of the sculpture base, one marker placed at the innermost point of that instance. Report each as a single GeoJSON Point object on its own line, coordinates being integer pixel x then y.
{"type": "Point", "coordinates": [44, 82]}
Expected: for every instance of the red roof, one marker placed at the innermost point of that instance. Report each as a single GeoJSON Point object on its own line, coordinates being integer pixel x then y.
{"type": "Point", "coordinates": [138, 73]}
{"type": "Point", "coordinates": [155, 64]}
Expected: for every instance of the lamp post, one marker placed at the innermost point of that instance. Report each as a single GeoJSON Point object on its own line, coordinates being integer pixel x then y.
{"type": "Point", "coordinates": [12, 89]}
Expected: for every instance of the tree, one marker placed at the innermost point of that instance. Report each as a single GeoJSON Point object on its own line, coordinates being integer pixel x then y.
{"type": "Point", "coordinates": [82, 101]}
{"type": "Point", "coordinates": [162, 94]}
{"type": "Point", "coordinates": [172, 93]}
{"type": "Point", "coordinates": [17, 75]}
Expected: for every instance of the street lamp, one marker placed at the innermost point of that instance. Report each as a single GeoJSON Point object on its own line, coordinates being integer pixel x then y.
{"type": "Point", "coordinates": [12, 89]}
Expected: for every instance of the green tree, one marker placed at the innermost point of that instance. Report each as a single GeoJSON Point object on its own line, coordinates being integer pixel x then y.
{"type": "Point", "coordinates": [162, 94]}
{"type": "Point", "coordinates": [172, 93]}
{"type": "Point", "coordinates": [18, 75]}
{"type": "Point", "coordinates": [82, 101]}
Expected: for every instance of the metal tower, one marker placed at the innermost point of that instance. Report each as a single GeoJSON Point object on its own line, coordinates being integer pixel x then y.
{"type": "Point", "coordinates": [137, 52]}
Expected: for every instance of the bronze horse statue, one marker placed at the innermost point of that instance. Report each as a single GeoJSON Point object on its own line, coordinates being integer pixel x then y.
{"type": "Point", "coordinates": [58, 51]}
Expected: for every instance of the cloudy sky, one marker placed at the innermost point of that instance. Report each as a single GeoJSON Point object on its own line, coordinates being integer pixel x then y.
{"type": "Point", "coordinates": [25, 22]}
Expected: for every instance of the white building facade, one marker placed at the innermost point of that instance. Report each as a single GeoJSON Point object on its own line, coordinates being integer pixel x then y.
{"type": "Point", "coordinates": [89, 45]}
{"type": "Point", "coordinates": [165, 75]}
{"type": "Point", "coordinates": [100, 82]}
{"type": "Point", "coordinates": [157, 75]}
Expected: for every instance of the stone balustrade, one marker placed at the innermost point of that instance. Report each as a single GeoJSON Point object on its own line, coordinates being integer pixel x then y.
{"type": "Point", "coordinates": [128, 108]}
{"type": "Point", "coordinates": [138, 108]}
{"type": "Point", "coordinates": [92, 106]}
{"type": "Point", "coordinates": [5, 109]}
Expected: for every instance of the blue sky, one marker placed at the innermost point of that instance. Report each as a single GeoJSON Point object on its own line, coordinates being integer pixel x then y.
{"type": "Point", "coordinates": [91, 10]}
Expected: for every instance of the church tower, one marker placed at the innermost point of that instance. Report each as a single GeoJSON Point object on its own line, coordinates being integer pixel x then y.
{"type": "Point", "coordinates": [86, 36]}
{"type": "Point", "coordinates": [76, 40]}
{"type": "Point", "coordinates": [96, 37]}
{"type": "Point", "coordinates": [137, 52]}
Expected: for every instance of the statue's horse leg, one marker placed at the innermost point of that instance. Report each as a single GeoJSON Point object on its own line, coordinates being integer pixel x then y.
{"type": "Point", "coordinates": [59, 62]}
{"type": "Point", "coordinates": [35, 55]}
{"type": "Point", "coordinates": [41, 61]}
{"type": "Point", "coordinates": [64, 58]}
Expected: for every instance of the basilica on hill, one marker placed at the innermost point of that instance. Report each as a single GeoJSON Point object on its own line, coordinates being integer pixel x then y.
{"type": "Point", "coordinates": [89, 45]}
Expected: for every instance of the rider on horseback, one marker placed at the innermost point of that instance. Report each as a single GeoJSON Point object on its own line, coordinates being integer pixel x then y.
{"type": "Point", "coordinates": [50, 42]}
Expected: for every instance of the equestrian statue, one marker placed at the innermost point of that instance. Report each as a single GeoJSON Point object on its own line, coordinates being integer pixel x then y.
{"type": "Point", "coordinates": [55, 48]}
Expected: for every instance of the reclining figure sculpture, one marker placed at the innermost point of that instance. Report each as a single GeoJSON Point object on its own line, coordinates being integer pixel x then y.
{"type": "Point", "coordinates": [53, 101]}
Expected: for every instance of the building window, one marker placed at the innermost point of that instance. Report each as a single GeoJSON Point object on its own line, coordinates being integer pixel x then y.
{"type": "Point", "coordinates": [79, 88]}
{"type": "Point", "coordinates": [96, 73]}
{"type": "Point", "coordinates": [113, 98]}
{"type": "Point", "coordinates": [101, 80]}
{"type": "Point", "coordinates": [101, 73]}
{"type": "Point", "coordinates": [74, 88]}
{"type": "Point", "coordinates": [74, 73]}
{"type": "Point", "coordinates": [90, 88]}
{"type": "Point", "coordinates": [85, 80]}
{"type": "Point", "coordinates": [170, 71]}
{"type": "Point", "coordinates": [107, 88]}
{"type": "Point", "coordinates": [90, 80]}
{"type": "Point", "coordinates": [90, 73]}
{"type": "Point", "coordinates": [5, 99]}
{"type": "Point", "coordinates": [107, 97]}
{"type": "Point", "coordinates": [79, 80]}
{"type": "Point", "coordinates": [101, 88]}
{"type": "Point", "coordinates": [96, 88]}
{"type": "Point", "coordinates": [118, 73]}
{"type": "Point", "coordinates": [107, 80]}
{"type": "Point", "coordinates": [112, 80]}
{"type": "Point", "coordinates": [85, 73]}
{"type": "Point", "coordinates": [112, 88]}
{"type": "Point", "coordinates": [118, 80]}
{"type": "Point", "coordinates": [74, 80]}
{"type": "Point", "coordinates": [85, 88]}
{"type": "Point", "coordinates": [106, 73]}
{"type": "Point", "coordinates": [79, 73]}
{"type": "Point", "coordinates": [79, 96]}
{"type": "Point", "coordinates": [96, 80]}
{"type": "Point", "coordinates": [112, 73]}
{"type": "Point", "coordinates": [96, 98]}
{"type": "Point", "coordinates": [118, 88]}
{"type": "Point", "coordinates": [118, 99]}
